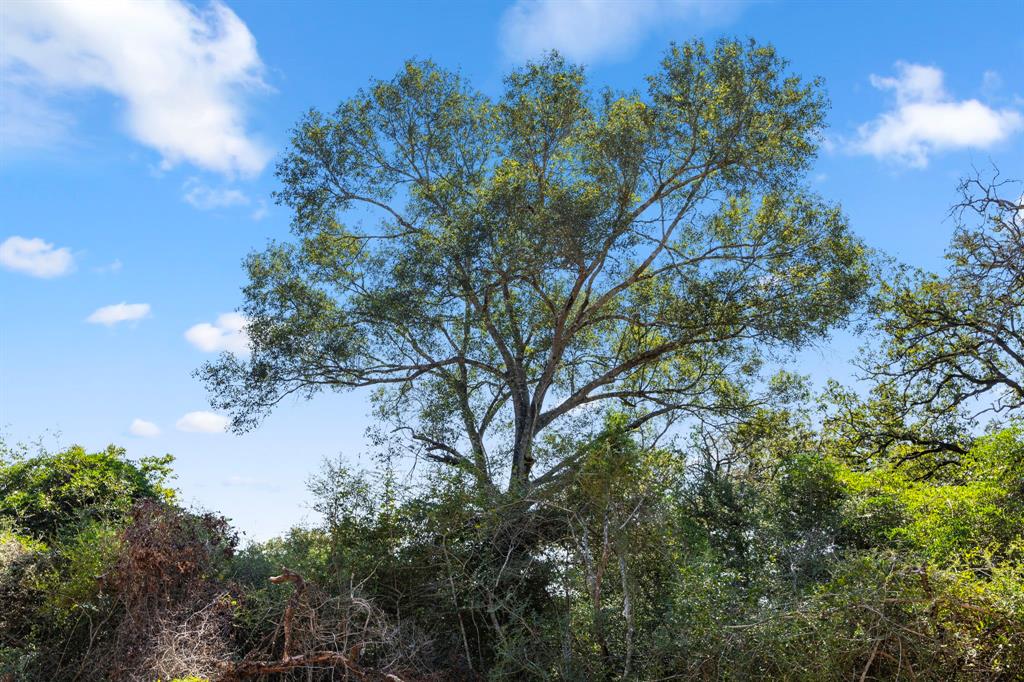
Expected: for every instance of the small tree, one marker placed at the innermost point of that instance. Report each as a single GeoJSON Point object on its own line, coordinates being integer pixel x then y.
{"type": "Point", "coordinates": [510, 263]}
{"type": "Point", "coordinates": [960, 336]}
{"type": "Point", "coordinates": [951, 346]}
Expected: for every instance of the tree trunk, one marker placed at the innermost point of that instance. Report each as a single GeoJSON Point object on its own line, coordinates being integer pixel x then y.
{"type": "Point", "coordinates": [522, 450]}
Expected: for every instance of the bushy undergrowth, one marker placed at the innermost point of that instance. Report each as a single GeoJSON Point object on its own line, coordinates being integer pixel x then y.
{"type": "Point", "coordinates": [774, 562]}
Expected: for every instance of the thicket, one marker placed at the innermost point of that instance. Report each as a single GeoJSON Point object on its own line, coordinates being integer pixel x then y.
{"type": "Point", "coordinates": [763, 556]}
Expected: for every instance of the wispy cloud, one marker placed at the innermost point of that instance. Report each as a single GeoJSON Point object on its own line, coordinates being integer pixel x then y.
{"type": "Point", "coordinates": [926, 119]}
{"type": "Point", "coordinates": [25, 120]}
{"type": "Point", "coordinates": [260, 212]}
{"type": "Point", "coordinates": [110, 315]}
{"type": "Point", "coordinates": [593, 30]}
{"type": "Point", "coordinates": [251, 483]}
{"type": "Point", "coordinates": [143, 428]}
{"type": "Point", "coordinates": [991, 83]}
{"type": "Point", "coordinates": [207, 198]}
{"type": "Point", "coordinates": [113, 266]}
{"type": "Point", "coordinates": [202, 422]}
{"type": "Point", "coordinates": [181, 71]}
{"type": "Point", "coordinates": [226, 334]}
{"type": "Point", "coordinates": [35, 257]}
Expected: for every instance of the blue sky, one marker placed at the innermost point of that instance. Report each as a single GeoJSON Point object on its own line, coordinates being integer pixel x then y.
{"type": "Point", "coordinates": [137, 144]}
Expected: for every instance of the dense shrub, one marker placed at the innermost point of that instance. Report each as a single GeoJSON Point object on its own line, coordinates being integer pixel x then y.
{"type": "Point", "coordinates": [50, 493]}
{"type": "Point", "coordinates": [757, 555]}
{"type": "Point", "coordinates": [138, 599]}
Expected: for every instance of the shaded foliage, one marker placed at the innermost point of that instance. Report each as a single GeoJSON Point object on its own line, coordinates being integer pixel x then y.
{"type": "Point", "coordinates": [753, 553]}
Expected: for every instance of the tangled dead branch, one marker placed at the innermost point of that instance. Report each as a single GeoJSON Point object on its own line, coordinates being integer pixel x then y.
{"type": "Point", "coordinates": [324, 633]}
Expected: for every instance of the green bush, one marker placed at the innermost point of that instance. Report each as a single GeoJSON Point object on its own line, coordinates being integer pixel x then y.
{"type": "Point", "coordinates": [52, 493]}
{"type": "Point", "coordinates": [766, 556]}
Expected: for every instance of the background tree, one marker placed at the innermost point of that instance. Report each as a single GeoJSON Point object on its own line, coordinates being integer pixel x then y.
{"type": "Point", "coordinates": [511, 263]}
{"type": "Point", "coordinates": [952, 345]}
{"type": "Point", "coordinates": [961, 336]}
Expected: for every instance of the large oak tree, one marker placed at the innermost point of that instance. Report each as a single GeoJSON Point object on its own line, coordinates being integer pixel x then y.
{"type": "Point", "coordinates": [498, 266]}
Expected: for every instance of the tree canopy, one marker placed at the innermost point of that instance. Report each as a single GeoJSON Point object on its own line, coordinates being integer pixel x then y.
{"type": "Point", "coordinates": [497, 265]}
{"type": "Point", "coordinates": [950, 347]}
{"type": "Point", "coordinates": [959, 336]}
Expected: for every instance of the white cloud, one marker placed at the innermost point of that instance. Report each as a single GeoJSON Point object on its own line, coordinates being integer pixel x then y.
{"type": "Point", "coordinates": [35, 257]}
{"type": "Point", "coordinates": [927, 119]}
{"type": "Point", "coordinates": [261, 211]}
{"type": "Point", "coordinates": [202, 422]}
{"type": "Point", "coordinates": [119, 312]}
{"type": "Point", "coordinates": [113, 266]}
{"type": "Point", "coordinates": [228, 333]}
{"type": "Point", "coordinates": [991, 82]}
{"type": "Point", "coordinates": [143, 428]}
{"type": "Point", "coordinates": [590, 30]}
{"type": "Point", "coordinates": [208, 198]}
{"type": "Point", "coordinates": [181, 72]}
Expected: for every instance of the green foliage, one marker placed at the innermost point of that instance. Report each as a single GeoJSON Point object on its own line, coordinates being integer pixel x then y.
{"type": "Point", "coordinates": [20, 559]}
{"type": "Point", "coordinates": [47, 495]}
{"type": "Point", "coordinates": [582, 292]}
{"type": "Point", "coordinates": [973, 513]}
{"type": "Point", "coordinates": [762, 558]}
{"type": "Point", "coordinates": [71, 577]}
{"type": "Point", "coordinates": [756, 552]}
{"type": "Point", "coordinates": [96, 564]}
{"type": "Point", "coordinates": [532, 256]}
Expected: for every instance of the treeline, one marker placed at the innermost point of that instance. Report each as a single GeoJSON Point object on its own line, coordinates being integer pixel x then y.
{"type": "Point", "coordinates": [572, 308]}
